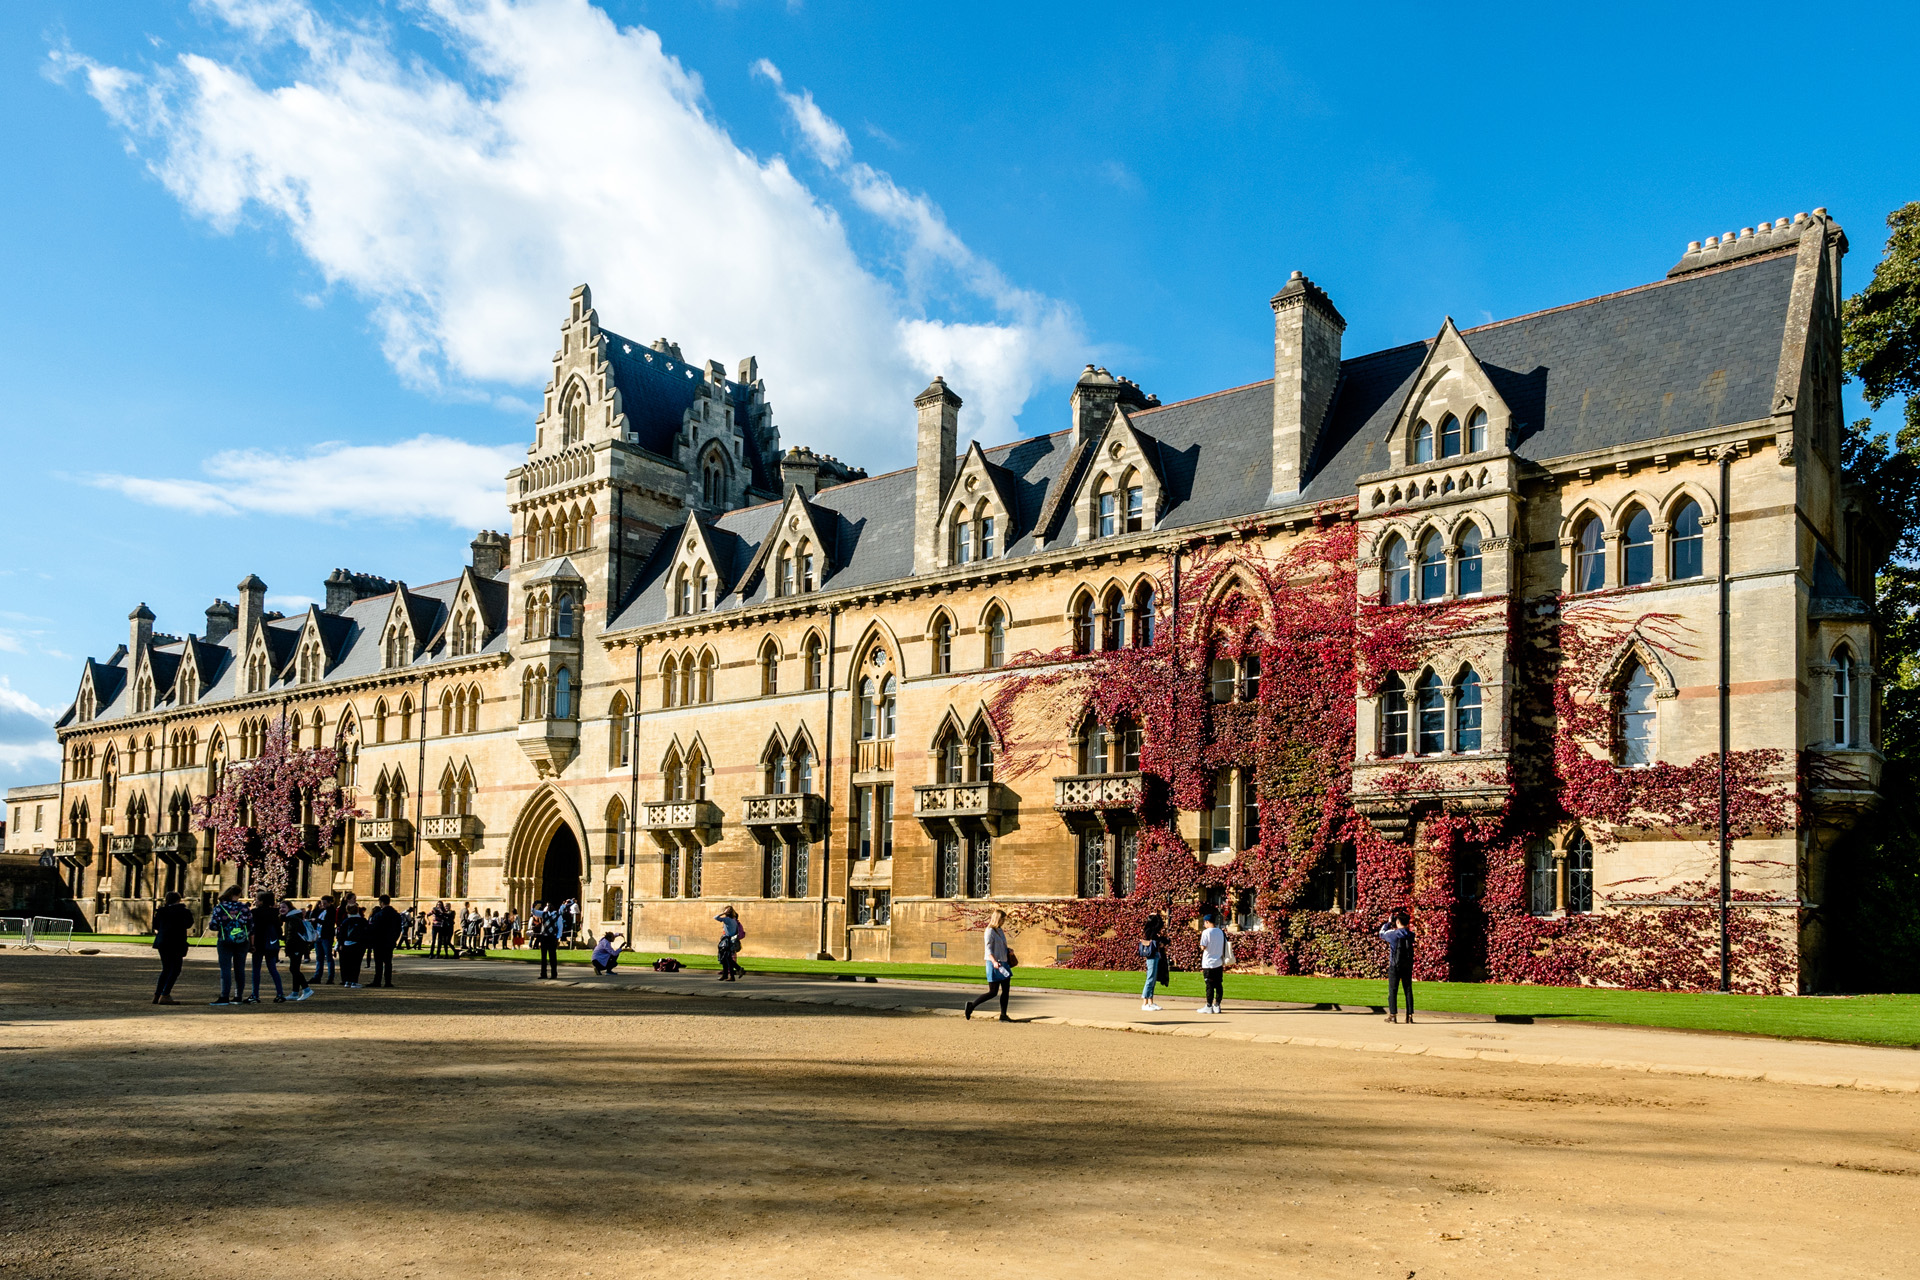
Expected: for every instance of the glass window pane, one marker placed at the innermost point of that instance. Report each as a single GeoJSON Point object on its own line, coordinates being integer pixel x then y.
{"type": "Point", "coordinates": [1580, 876]}
{"type": "Point", "coordinates": [1590, 563]}
{"type": "Point", "coordinates": [1638, 549]}
{"type": "Point", "coordinates": [1220, 819]}
{"type": "Point", "coordinates": [1466, 713]}
{"type": "Point", "coordinates": [1393, 736]}
{"type": "Point", "coordinates": [1433, 715]}
{"type": "Point", "coordinates": [1398, 573]}
{"type": "Point", "coordinates": [1685, 544]}
{"type": "Point", "coordinates": [1433, 568]}
{"type": "Point", "coordinates": [1450, 437]}
{"type": "Point", "coordinates": [1477, 431]}
{"type": "Point", "coordinates": [1636, 718]}
{"type": "Point", "coordinates": [1423, 442]}
{"type": "Point", "coordinates": [1467, 566]}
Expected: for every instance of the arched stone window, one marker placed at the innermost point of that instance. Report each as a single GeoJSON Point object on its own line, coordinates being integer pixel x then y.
{"type": "Point", "coordinates": [563, 694]}
{"type": "Point", "coordinates": [987, 534]}
{"type": "Point", "coordinates": [869, 709]}
{"type": "Point", "coordinates": [709, 667]}
{"type": "Point", "coordinates": [405, 717]}
{"type": "Point", "coordinates": [769, 667]}
{"type": "Point", "coordinates": [1393, 717]}
{"type": "Point", "coordinates": [1133, 503]}
{"type": "Point", "coordinates": [1396, 575]}
{"type": "Point", "coordinates": [996, 638]}
{"type": "Point", "coordinates": [617, 731]}
{"type": "Point", "coordinates": [1467, 566]}
{"type": "Point", "coordinates": [942, 645]}
{"type": "Point", "coordinates": [713, 478]}
{"type": "Point", "coordinates": [1423, 442]}
{"type": "Point", "coordinates": [1106, 506]}
{"type": "Point", "coordinates": [1634, 744]}
{"type": "Point", "coordinates": [1450, 437]}
{"type": "Point", "coordinates": [702, 588]}
{"type": "Point", "coordinates": [563, 617]}
{"type": "Point", "coordinates": [1636, 551]}
{"type": "Point", "coordinates": [1082, 615]}
{"type": "Point", "coordinates": [886, 708]}
{"type": "Point", "coordinates": [1477, 431]}
{"type": "Point", "coordinates": [1579, 875]}
{"type": "Point", "coordinates": [1144, 621]}
{"type": "Point", "coordinates": [949, 757]}
{"type": "Point", "coordinates": [683, 593]}
{"type": "Point", "coordinates": [573, 415]}
{"type": "Point", "coordinates": [1431, 704]}
{"type": "Point", "coordinates": [802, 768]}
{"type": "Point", "coordinates": [670, 682]}
{"type": "Point", "coordinates": [962, 537]}
{"type": "Point", "coordinates": [1845, 699]}
{"type": "Point", "coordinates": [1685, 545]}
{"type": "Point", "coordinates": [1590, 556]}
{"type": "Point", "coordinates": [816, 662]}
{"type": "Point", "coordinates": [673, 778]}
{"type": "Point", "coordinates": [1433, 567]}
{"type": "Point", "coordinates": [1113, 619]}
{"type": "Point", "coordinates": [784, 582]}
{"type": "Point", "coordinates": [1095, 749]}
{"type": "Point", "coordinates": [1466, 711]}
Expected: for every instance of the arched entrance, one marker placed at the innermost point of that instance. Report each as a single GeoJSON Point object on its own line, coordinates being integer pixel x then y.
{"type": "Point", "coordinates": [560, 868]}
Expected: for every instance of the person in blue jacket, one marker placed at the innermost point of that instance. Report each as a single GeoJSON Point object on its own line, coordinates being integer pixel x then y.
{"type": "Point", "coordinates": [1397, 933]}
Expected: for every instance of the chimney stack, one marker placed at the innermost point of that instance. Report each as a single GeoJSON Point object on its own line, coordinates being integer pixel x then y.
{"type": "Point", "coordinates": [490, 553]}
{"type": "Point", "coordinates": [221, 617]}
{"type": "Point", "coordinates": [800, 469]}
{"type": "Point", "coordinates": [345, 586]}
{"type": "Point", "coordinates": [253, 607]}
{"type": "Point", "coordinates": [1093, 399]}
{"type": "Point", "coordinates": [939, 436]}
{"type": "Point", "coordinates": [140, 631]}
{"type": "Point", "coordinates": [1306, 370]}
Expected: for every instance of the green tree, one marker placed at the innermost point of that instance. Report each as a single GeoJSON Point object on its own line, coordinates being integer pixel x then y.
{"type": "Point", "coordinates": [1875, 896]}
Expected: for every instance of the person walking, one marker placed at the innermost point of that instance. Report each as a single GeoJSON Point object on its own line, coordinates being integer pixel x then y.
{"type": "Point", "coordinates": [266, 946]}
{"type": "Point", "coordinates": [1213, 960]}
{"type": "Point", "coordinates": [295, 927]}
{"type": "Point", "coordinates": [1397, 933]}
{"type": "Point", "coordinates": [232, 935]}
{"type": "Point", "coordinates": [732, 934]}
{"type": "Point", "coordinates": [1153, 950]}
{"type": "Point", "coordinates": [327, 916]}
{"type": "Point", "coordinates": [353, 946]}
{"type": "Point", "coordinates": [545, 922]}
{"type": "Point", "coordinates": [171, 924]}
{"type": "Point", "coordinates": [383, 934]}
{"type": "Point", "coordinates": [1000, 961]}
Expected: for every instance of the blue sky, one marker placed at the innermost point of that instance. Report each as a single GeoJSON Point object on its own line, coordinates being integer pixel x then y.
{"type": "Point", "coordinates": [279, 278]}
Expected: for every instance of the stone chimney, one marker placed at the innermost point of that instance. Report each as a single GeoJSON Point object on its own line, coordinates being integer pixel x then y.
{"type": "Point", "coordinates": [345, 586]}
{"type": "Point", "coordinates": [1306, 370]}
{"type": "Point", "coordinates": [491, 552]}
{"type": "Point", "coordinates": [140, 629]}
{"type": "Point", "coordinates": [1093, 399]}
{"type": "Point", "coordinates": [799, 469]}
{"type": "Point", "coordinates": [221, 618]}
{"type": "Point", "coordinates": [253, 607]}
{"type": "Point", "coordinates": [939, 436]}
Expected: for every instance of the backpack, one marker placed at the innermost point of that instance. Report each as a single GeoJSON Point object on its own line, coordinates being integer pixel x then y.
{"type": "Point", "coordinates": [232, 926]}
{"type": "Point", "coordinates": [667, 964]}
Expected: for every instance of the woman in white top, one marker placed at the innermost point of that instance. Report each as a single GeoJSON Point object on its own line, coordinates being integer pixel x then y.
{"type": "Point", "coordinates": [999, 961]}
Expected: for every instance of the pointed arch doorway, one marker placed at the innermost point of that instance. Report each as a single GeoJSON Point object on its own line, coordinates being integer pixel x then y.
{"type": "Point", "coordinates": [560, 868]}
{"type": "Point", "coordinates": [546, 856]}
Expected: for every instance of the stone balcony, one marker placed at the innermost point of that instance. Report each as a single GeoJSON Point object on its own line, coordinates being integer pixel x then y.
{"type": "Point", "coordinates": [451, 830]}
{"type": "Point", "coordinates": [1394, 794]}
{"type": "Point", "coordinates": [549, 744]}
{"type": "Point", "coordinates": [130, 848]}
{"type": "Point", "coordinates": [386, 833]}
{"type": "Point", "coordinates": [944, 802]}
{"type": "Point", "coordinates": [1096, 792]}
{"type": "Point", "coordinates": [676, 822]}
{"type": "Point", "coordinates": [79, 849]}
{"type": "Point", "coordinates": [175, 844]}
{"type": "Point", "coordinates": [793, 809]}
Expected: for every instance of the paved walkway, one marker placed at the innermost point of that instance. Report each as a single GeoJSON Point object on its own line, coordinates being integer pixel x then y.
{"type": "Point", "coordinates": [1442, 1035]}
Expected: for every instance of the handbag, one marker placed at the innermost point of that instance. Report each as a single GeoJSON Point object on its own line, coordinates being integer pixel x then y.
{"type": "Point", "coordinates": [1227, 954]}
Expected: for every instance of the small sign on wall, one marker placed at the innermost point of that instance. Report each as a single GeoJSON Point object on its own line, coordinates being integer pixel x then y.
{"type": "Point", "coordinates": [673, 942]}
{"type": "Point", "coordinates": [939, 950]}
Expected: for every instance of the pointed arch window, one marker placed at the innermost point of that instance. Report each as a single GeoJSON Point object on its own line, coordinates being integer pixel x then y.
{"type": "Point", "coordinates": [1845, 699]}
{"type": "Point", "coordinates": [1477, 431]}
{"type": "Point", "coordinates": [1450, 437]}
{"type": "Point", "coordinates": [1095, 752]}
{"type": "Point", "coordinates": [673, 778]}
{"type": "Point", "coordinates": [1579, 875]}
{"type": "Point", "coordinates": [1106, 502]}
{"type": "Point", "coordinates": [1423, 442]}
{"type": "Point", "coordinates": [769, 669]}
{"type": "Point", "coordinates": [816, 662]}
{"type": "Point", "coordinates": [987, 537]}
{"type": "Point", "coordinates": [982, 752]}
{"type": "Point", "coordinates": [670, 682]}
{"type": "Point", "coordinates": [962, 537]}
{"type": "Point", "coordinates": [573, 416]}
{"type": "Point", "coordinates": [1143, 616]}
{"type": "Point", "coordinates": [803, 769]}
{"type": "Point", "coordinates": [1467, 572]}
{"type": "Point", "coordinates": [1431, 704]}
{"type": "Point", "coordinates": [996, 638]}
{"type": "Point", "coordinates": [783, 585]}
{"type": "Point", "coordinates": [808, 578]}
{"type": "Point", "coordinates": [1083, 623]}
{"type": "Point", "coordinates": [703, 589]}
{"type": "Point", "coordinates": [1393, 717]}
{"type": "Point", "coordinates": [1636, 718]}
{"type": "Point", "coordinates": [709, 666]}
{"type": "Point", "coordinates": [887, 687]}
{"type": "Point", "coordinates": [1136, 506]}
{"type": "Point", "coordinates": [950, 758]}
{"type": "Point", "coordinates": [943, 646]}
{"type": "Point", "coordinates": [1113, 620]}
{"type": "Point", "coordinates": [1221, 679]}
{"type": "Point", "coordinates": [1685, 545]}
{"type": "Point", "coordinates": [1396, 574]}
{"type": "Point", "coordinates": [1466, 711]}
{"type": "Point", "coordinates": [563, 694]}
{"type": "Point", "coordinates": [869, 709]}
{"type": "Point", "coordinates": [563, 618]}
{"type": "Point", "coordinates": [683, 593]}
{"type": "Point", "coordinates": [1636, 552]}
{"type": "Point", "coordinates": [618, 724]}
{"type": "Point", "coordinates": [1433, 567]}
{"type": "Point", "coordinates": [1590, 556]}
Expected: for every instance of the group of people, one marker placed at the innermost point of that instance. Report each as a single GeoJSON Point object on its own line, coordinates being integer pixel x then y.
{"type": "Point", "coordinates": [335, 935]}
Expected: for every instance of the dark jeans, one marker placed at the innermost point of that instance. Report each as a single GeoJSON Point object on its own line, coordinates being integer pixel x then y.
{"type": "Point", "coordinates": [323, 970]}
{"type": "Point", "coordinates": [1395, 981]}
{"type": "Point", "coordinates": [350, 963]}
{"type": "Point", "coordinates": [1003, 987]}
{"type": "Point", "coordinates": [550, 958]}
{"type": "Point", "coordinates": [233, 970]}
{"type": "Point", "coordinates": [382, 966]}
{"type": "Point", "coordinates": [169, 971]}
{"type": "Point", "coordinates": [729, 963]}
{"type": "Point", "coordinates": [270, 956]}
{"type": "Point", "coordinates": [1216, 985]}
{"type": "Point", "coordinates": [443, 941]}
{"type": "Point", "coordinates": [295, 959]}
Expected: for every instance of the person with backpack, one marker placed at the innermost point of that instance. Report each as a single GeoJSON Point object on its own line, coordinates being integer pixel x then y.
{"type": "Point", "coordinates": [326, 919]}
{"type": "Point", "coordinates": [1397, 933]}
{"type": "Point", "coordinates": [353, 946]}
{"type": "Point", "coordinates": [383, 935]}
{"type": "Point", "coordinates": [266, 946]}
{"type": "Point", "coordinates": [732, 934]}
{"type": "Point", "coordinates": [546, 936]}
{"type": "Point", "coordinates": [171, 924]}
{"type": "Point", "coordinates": [294, 927]}
{"type": "Point", "coordinates": [1000, 964]}
{"type": "Point", "coordinates": [1153, 950]}
{"type": "Point", "coordinates": [1215, 953]}
{"type": "Point", "coordinates": [232, 935]}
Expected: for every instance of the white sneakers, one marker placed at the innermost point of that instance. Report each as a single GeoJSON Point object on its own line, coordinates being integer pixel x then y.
{"type": "Point", "coordinates": [1149, 1007]}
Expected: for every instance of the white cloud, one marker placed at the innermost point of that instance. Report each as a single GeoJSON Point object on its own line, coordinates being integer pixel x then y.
{"type": "Point", "coordinates": [26, 731]}
{"type": "Point", "coordinates": [291, 604]}
{"type": "Point", "coordinates": [463, 204]}
{"type": "Point", "coordinates": [428, 477]}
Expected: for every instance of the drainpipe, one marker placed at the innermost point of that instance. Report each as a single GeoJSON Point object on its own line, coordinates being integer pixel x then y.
{"type": "Point", "coordinates": [1725, 457]}
{"type": "Point", "coordinates": [633, 792]}
{"type": "Point", "coordinates": [419, 795]}
{"type": "Point", "coordinates": [826, 772]}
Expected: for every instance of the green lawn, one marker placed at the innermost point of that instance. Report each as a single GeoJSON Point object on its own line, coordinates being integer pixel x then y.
{"type": "Point", "coordinates": [1871, 1019]}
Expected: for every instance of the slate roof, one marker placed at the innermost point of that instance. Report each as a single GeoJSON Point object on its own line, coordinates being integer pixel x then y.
{"type": "Point", "coordinates": [1681, 355]}
{"type": "Point", "coordinates": [656, 390]}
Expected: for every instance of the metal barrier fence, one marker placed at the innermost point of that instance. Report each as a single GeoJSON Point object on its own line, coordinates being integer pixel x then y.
{"type": "Point", "coordinates": [50, 931]}
{"type": "Point", "coordinates": [14, 931]}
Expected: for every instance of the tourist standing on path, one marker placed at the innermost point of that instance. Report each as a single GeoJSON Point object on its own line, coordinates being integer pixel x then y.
{"type": "Point", "coordinates": [732, 934]}
{"type": "Point", "coordinates": [442, 915]}
{"type": "Point", "coordinates": [266, 946]}
{"type": "Point", "coordinates": [513, 931]}
{"type": "Point", "coordinates": [171, 924]}
{"type": "Point", "coordinates": [294, 927]}
{"type": "Point", "coordinates": [232, 934]}
{"type": "Point", "coordinates": [353, 946]}
{"type": "Point", "coordinates": [469, 929]}
{"type": "Point", "coordinates": [383, 930]}
{"type": "Point", "coordinates": [1000, 961]}
{"type": "Point", "coordinates": [570, 919]}
{"type": "Point", "coordinates": [1397, 933]}
{"type": "Point", "coordinates": [327, 916]}
{"type": "Point", "coordinates": [545, 922]}
{"type": "Point", "coordinates": [1213, 960]}
{"type": "Point", "coordinates": [1153, 950]}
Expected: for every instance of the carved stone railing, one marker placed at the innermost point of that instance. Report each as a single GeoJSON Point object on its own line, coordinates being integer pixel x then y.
{"type": "Point", "coordinates": [942, 802]}
{"type": "Point", "coordinates": [174, 844]}
{"type": "Point", "coordinates": [794, 809]}
{"type": "Point", "coordinates": [1093, 792]}
{"type": "Point", "coordinates": [132, 847]}
{"type": "Point", "coordinates": [680, 815]}
{"type": "Point", "coordinates": [457, 829]}
{"type": "Point", "coordinates": [1394, 794]}
{"type": "Point", "coordinates": [385, 832]}
{"type": "Point", "coordinates": [79, 848]}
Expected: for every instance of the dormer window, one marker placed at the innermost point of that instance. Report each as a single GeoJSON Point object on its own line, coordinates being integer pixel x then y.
{"type": "Point", "coordinates": [1450, 437]}
{"type": "Point", "coordinates": [807, 576]}
{"type": "Point", "coordinates": [399, 646]}
{"type": "Point", "coordinates": [1106, 505]}
{"type": "Point", "coordinates": [986, 536]}
{"type": "Point", "coordinates": [703, 591]}
{"type": "Point", "coordinates": [1423, 442]}
{"type": "Point", "coordinates": [962, 539]}
{"type": "Point", "coordinates": [1136, 507]}
{"type": "Point", "coordinates": [1477, 431]}
{"type": "Point", "coordinates": [683, 593]}
{"type": "Point", "coordinates": [786, 581]}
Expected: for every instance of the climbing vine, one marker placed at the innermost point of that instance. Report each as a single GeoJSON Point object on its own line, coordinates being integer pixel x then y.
{"type": "Point", "coordinates": [277, 808]}
{"type": "Point", "coordinates": [1464, 877]}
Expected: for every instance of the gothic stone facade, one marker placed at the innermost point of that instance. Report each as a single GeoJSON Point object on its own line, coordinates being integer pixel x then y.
{"type": "Point", "coordinates": [700, 670]}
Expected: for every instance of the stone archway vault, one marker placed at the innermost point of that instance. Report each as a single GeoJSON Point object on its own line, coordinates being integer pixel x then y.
{"type": "Point", "coordinates": [546, 811]}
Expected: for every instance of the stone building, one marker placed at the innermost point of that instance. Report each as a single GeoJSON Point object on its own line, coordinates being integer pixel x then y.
{"type": "Point", "coordinates": [700, 670]}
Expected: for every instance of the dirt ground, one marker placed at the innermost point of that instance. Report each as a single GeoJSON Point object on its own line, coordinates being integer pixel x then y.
{"type": "Point", "coordinates": [476, 1129]}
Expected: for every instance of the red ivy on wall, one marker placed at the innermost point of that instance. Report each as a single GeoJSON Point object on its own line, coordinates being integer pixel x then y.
{"type": "Point", "coordinates": [281, 806]}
